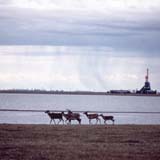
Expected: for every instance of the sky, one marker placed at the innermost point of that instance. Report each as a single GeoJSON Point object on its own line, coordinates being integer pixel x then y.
{"type": "Point", "coordinates": [93, 45]}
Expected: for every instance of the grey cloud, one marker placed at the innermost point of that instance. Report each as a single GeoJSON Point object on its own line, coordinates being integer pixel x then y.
{"type": "Point", "coordinates": [27, 26]}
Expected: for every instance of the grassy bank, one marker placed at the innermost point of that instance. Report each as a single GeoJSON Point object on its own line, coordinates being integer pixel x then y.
{"type": "Point", "coordinates": [72, 142]}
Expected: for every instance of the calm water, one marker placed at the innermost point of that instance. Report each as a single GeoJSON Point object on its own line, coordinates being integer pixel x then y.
{"type": "Point", "coordinates": [78, 102]}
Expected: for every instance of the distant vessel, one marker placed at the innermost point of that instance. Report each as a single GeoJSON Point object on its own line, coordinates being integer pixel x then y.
{"type": "Point", "coordinates": [146, 89]}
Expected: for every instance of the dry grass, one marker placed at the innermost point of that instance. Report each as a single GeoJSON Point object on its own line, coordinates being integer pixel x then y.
{"type": "Point", "coordinates": [72, 142]}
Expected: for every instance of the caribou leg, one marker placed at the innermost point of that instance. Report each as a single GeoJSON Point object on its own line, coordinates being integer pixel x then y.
{"type": "Point", "coordinates": [99, 121]}
{"type": "Point", "coordinates": [79, 120]}
{"type": "Point", "coordinates": [59, 121]}
{"type": "Point", "coordinates": [96, 120]}
{"type": "Point", "coordinates": [54, 121]}
{"type": "Point", "coordinates": [62, 121]}
{"type": "Point", "coordinates": [113, 121]}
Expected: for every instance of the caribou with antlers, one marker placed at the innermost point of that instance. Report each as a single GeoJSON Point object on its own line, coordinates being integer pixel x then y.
{"type": "Point", "coordinates": [72, 116]}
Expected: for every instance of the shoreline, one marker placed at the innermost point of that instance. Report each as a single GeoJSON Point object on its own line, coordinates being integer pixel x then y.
{"type": "Point", "coordinates": [76, 93]}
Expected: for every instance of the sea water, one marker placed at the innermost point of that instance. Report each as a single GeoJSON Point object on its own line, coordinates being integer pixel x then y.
{"type": "Point", "coordinates": [76, 103]}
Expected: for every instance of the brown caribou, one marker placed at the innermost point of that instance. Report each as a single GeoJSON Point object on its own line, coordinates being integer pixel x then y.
{"type": "Point", "coordinates": [72, 116]}
{"type": "Point", "coordinates": [92, 116]}
{"type": "Point", "coordinates": [54, 116]}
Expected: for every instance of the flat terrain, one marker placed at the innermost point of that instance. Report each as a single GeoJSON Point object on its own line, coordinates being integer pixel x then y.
{"type": "Point", "coordinates": [73, 142]}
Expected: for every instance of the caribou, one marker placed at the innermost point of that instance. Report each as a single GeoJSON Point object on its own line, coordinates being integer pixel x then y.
{"type": "Point", "coordinates": [106, 118]}
{"type": "Point", "coordinates": [54, 116]}
{"type": "Point", "coordinates": [66, 116]}
{"type": "Point", "coordinates": [69, 116]}
{"type": "Point", "coordinates": [72, 116]}
{"type": "Point", "coordinates": [92, 116]}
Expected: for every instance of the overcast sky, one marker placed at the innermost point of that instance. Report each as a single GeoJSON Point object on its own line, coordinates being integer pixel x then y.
{"type": "Point", "coordinates": [79, 44]}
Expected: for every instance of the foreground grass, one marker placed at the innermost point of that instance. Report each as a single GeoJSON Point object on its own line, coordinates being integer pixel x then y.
{"type": "Point", "coordinates": [72, 142]}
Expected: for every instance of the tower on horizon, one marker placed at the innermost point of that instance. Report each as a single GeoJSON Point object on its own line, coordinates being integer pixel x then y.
{"type": "Point", "coordinates": [146, 89]}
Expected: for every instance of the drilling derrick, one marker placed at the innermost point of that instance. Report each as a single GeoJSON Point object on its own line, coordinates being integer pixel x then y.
{"type": "Point", "coordinates": [147, 85]}
{"type": "Point", "coordinates": [146, 89]}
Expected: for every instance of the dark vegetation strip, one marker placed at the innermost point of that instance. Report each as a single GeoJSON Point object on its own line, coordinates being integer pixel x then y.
{"type": "Point", "coordinates": [23, 91]}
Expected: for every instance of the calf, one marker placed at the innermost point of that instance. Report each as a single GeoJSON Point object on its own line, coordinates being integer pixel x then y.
{"type": "Point", "coordinates": [107, 118]}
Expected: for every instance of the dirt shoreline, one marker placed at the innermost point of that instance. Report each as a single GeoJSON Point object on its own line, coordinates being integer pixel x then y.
{"type": "Point", "coordinates": [79, 142]}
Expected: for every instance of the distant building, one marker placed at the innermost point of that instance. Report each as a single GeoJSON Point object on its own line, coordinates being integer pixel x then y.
{"type": "Point", "coordinates": [120, 91]}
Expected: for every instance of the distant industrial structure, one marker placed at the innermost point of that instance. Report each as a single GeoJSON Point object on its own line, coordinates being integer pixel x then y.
{"type": "Point", "coordinates": [119, 91]}
{"type": "Point", "coordinates": [146, 89]}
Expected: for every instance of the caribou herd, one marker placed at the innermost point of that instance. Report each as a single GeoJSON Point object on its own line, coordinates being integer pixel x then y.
{"type": "Point", "coordinates": [70, 116]}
